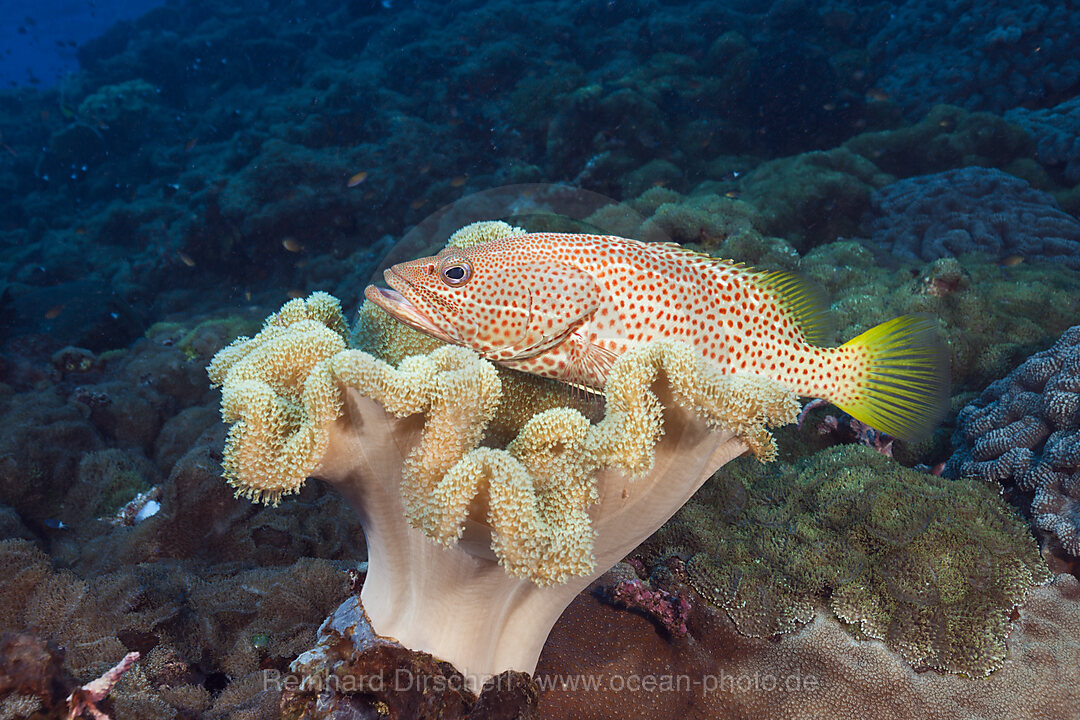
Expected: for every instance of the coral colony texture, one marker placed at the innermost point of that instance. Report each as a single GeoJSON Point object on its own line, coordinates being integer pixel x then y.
{"type": "Point", "coordinates": [970, 210]}
{"type": "Point", "coordinates": [232, 490]}
{"type": "Point", "coordinates": [1023, 431]}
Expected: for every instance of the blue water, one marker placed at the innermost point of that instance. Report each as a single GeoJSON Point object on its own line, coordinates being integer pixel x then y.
{"type": "Point", "coordinates": [38, 40]}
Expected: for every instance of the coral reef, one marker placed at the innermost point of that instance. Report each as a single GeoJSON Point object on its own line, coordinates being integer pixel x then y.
{"type": "Point", "coordinates": [932, 567]}
{"type": "Point", "coordinates": [991, 316]}
{"type": "Point", "coordinates": [603, 662]}
{"type": "Point", "coordinates": [1023, 431]}
{"type": "Point", "coordinates": [178, 585]}
{"type": "Point", "coordinates": [240, 137]}
{"type": "Point", "coordinates": [198, 157]}
{"type": "Point", "coordinates": [208, 161]}
{"type": "Point", "coordinates": [220, 626]}
{"type": "Point", "coordinates": [1056, 132]}
{"type": "Point", "coordinates": [972, 210]}
{"type": "Point", "coordinates": [521, 530]}
{"type": "Point", "coordinates": [1000, 55]}
{"type": "Point", "coordinates": [817, 197]}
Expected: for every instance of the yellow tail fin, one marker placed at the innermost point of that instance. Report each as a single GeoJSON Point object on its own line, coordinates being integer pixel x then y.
{"type": "Point", "coordinates": [904, 387]}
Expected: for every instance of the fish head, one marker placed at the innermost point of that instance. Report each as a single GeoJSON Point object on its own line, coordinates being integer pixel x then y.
{"type": "Point", "coordinates": [505, 299]}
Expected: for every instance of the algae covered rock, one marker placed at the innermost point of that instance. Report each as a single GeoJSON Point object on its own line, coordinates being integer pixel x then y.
{"type": "Point", "coordinates": [932, 567]}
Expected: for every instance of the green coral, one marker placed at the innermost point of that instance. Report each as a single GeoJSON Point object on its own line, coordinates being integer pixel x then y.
{"type": "Point", "coordinates": [114, 477]}
{"type": "Point", "coordinates": [992, 317]}
{"type": "Point", "coordinates": [200, 341]}
{"type": "Point", "coordinates": [932, 567]}
{"type": "Point", "coordinates": [948, 137]}
{"type": "Point", "coordinates": [715, 224]}
{"type": "Point", "coordinates": [814, 197]}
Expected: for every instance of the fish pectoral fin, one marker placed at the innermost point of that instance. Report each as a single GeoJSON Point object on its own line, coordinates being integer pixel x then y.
{"type": "Point", "coordinates": [533, 345]}
{"type": "Point", "coordinates": [589, 363]}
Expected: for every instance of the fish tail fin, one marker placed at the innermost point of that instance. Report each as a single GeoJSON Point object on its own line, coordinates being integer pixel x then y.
{"type": "Point", "coordinates": [900, 382]}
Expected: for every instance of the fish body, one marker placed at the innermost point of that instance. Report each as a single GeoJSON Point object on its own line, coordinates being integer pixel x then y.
{"type": "Point", "coordinates": [565, 306]}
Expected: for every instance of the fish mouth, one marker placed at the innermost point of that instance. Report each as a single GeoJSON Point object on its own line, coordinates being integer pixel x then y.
{"type": "Point", "coordinates": [404, 310]}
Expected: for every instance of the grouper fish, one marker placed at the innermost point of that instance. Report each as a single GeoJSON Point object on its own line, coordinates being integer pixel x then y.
{"type": "Point", "coordinates": [565, 306]}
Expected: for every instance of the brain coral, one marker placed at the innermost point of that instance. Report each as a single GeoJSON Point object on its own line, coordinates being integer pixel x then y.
{"type": "Point", "coordinates": [932, 567]}
{"type": "Point", "coordinates": [1056, 132]}
{"type": "Point", "coordinates": [1024, 432]}
{"type": "Point", "coordinates": [972, 210]}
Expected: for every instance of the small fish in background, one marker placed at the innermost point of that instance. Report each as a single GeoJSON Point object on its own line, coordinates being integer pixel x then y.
{"type": "Point", "coordinates": [1011, 261]}
{"type": "Point", "coordinates": [292, 245]}
{"type": "Point", "coordinates": [357, 179]}
{"type": "Point", "coordinates": [144, 505]}
{"type": "Point", "coordinates": [458, 181]}
{"type": "Point", "coordinates": [566, 306]}
{"type": "Point", "coordinates": [54, 311]}
{"type": "Point", "coordinates": [185, 258]}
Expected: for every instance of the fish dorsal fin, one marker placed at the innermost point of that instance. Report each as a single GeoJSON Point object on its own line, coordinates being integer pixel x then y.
{"type": "Point", "coordinates": [806, 303]}
{"type": "Point", "coordinates": [696, 258]}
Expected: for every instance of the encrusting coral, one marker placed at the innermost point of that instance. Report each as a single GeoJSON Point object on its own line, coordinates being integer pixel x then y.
{"type": "Point", "coordinates": [474, 550]}
{"type": "Point", "coordinates": [821, 671]}
{"type": "Point", "coordinates": [932, 567]}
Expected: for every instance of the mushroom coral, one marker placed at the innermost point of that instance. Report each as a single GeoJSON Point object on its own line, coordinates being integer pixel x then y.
{"type": "Point", "coordinates": [476, 545]}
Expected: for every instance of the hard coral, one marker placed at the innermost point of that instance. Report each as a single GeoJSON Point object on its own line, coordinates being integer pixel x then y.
{"type": "Point", "coordinates": [933, 567]}
{"type": "Point", "coordinates": [1001, 55]}
{"type": "Point", "coordinates": [221, 624]}
{"type": "Point", "coordinates": [814, 197]}
{"type": "Point", "coordinates": [1056, 132]}
{"type": "Point", "coordinates": [518, 530]}
{"type": "Point", "coordinates": [972, 210]}
{"type": "Point", "coordinates": [598, 656]}
{"type": "Point", "coordinates": [1024, 432]}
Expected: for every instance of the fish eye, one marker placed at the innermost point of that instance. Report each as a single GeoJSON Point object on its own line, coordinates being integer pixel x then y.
{"type": "Point", "coordinates": [457, 273]}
